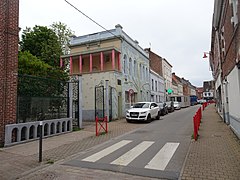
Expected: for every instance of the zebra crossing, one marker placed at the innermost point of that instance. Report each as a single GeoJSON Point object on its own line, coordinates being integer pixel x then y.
{"type": "Point", "coordinates": [158, 162]}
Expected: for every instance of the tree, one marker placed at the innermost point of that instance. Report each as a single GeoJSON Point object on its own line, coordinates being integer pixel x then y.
{"type": "Point", "coordinates": [29, 64]}
{"type": "Point", "coordinates": [38, 79]}
{"type": "Point", "coordinates": [43, 43]}
{"type": "Point", "coordinates": [64, 34]}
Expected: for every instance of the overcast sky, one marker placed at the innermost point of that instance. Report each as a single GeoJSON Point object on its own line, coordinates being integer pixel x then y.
{"type": "Point", "coordinates": [178, 30]}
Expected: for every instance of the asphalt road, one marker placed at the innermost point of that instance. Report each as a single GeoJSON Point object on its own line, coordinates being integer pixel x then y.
{"type": "Point", "coordinates": [157, 150]}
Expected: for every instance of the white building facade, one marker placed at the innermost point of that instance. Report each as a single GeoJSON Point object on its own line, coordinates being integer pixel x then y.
{"type": "Point", "coordinates": [157, 87]}
{"type": "Point", "coordinates": [113, 58]}
{"type": "Point", "coordinates": [167, 74]}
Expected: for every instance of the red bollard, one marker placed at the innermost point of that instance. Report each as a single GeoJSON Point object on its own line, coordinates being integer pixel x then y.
{"type": "Point", "coordinates": [195, 129]}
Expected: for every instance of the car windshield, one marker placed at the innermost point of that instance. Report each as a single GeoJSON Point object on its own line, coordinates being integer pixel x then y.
{"type": "Point", "coordinates": [176, 102]}
{"type": "Point", "coordinates": [141, 105]}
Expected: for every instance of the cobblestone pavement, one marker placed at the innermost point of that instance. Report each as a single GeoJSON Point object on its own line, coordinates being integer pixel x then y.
{"type": "Point", "coordinates": [216, 154]}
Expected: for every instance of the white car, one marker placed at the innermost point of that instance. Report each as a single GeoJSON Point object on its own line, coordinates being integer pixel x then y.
{"type": "Point", "coordinates": [176, 105]}
{"type": "Point", "coordinates": [143, 111]}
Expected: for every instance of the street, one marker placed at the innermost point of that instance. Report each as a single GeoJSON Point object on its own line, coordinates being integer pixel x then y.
{"type": "Point", "coordinates": [157, 150]}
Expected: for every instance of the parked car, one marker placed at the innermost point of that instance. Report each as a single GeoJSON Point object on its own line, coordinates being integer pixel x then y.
{"type": "Point", "coordinates": [143, 111]}
{"type": "Point", "coordinates": [176, 105]}
{"type": "Point", "coordinates": [170, 106]}
{"type": "Point", "coordinates": [163, 108]}
{"type": "Point", "coordinates": [201, 101]}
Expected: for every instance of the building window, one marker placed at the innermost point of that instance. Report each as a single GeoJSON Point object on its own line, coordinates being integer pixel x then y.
{"type": "Point", "coordinates": [130, 66]}
{"type": "Point", "coordinates": [234, 18]}
{"type": "Point", "coordinates": [152, 85]}
{"type": "Point", "coordinates": [135, 68]}
{"type": "Point", "coordinates": [140, 69]}
{"type": "Point", "coordinates": [125, 64]}
{"type": "Point", "coordinates": [119, 82]}
{"type": "Point", "coordinates": [107, 58]}
{"type": "Point", "coordinates": [146, 74]}
{"type": "Point", "coordinates": [143, 73]}
{"type": "Point", "coordinates": [155, 85]}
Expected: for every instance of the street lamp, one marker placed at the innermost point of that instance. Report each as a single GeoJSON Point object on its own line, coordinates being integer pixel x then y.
{"type": "Point", "coordinates": [206, 56]}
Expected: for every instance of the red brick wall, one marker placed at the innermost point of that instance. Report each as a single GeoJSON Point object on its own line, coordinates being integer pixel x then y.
{"type": "Point", "coordinates": [155, 62]}
{"type": "Point", "coordinates": [9, 13]}
{"type": "Point", "coordinates": [229, 60]}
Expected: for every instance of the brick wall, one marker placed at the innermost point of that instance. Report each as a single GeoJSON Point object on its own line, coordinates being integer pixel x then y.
{"type": "Point", "coordinates": [155, 62]}
{"type": "Point", "coordinates": [229, 60]}
{"type": "Point", "coordinates": [9, 14]}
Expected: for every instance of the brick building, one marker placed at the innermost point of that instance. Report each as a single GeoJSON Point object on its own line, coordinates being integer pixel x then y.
{"type": "Point", "coordinates": [199, 92]}
{"type": "Point", "coordinates": [225, 60]}
{"type": "Point", "coordinates": [155, 62]}
{"type": "Point", "coordinates": [9, 13]}
{"type": "Point", "coordinates": [162, 67]}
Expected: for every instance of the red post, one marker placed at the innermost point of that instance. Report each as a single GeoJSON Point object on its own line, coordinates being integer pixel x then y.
{"type": "Point", "coordinates": [96, 126]}
{"type": "Point", "coordinates": [198, 119]}
{"type": "Point", "coordinates": [113, 59]}
{"type": "Point", "coordinates": [101, 61]}
{"type": "Point", "coordinates": [106, 120]}
{"type": "Point", "coordinates": [200, 113]}
{"type": "Point", "coordinates": [80, 64]}
{"type": "Point", "coordinates": [90, 63]}
{"type": "Point", "coordinates": [194, 128]}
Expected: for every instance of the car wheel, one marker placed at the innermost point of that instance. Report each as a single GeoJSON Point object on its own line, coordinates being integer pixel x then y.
{"type": "Point", "coordinates": [158, 116]}
{"type": "Point", "coordinates": [149, 119]}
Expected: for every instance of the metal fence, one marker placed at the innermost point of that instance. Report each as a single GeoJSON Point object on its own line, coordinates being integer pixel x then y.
{"type": "Point", "coordinates": [41, 99]}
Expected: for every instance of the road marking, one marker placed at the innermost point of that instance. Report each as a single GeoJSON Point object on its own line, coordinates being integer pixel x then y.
{"type": "Point", "coordinates": [105, 152]}
{"type": "Point", "coordinates": [126, 158]}
{"type": "Point", "coordinates": [161, 159]}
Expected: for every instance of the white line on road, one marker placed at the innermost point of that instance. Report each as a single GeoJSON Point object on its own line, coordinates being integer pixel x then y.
{"type": "Point", "coordinates": [105, 152]}
{"type": "Point", "coordinates": [161, 159]}
{"type": "Point", "coordinates": [126, 158]}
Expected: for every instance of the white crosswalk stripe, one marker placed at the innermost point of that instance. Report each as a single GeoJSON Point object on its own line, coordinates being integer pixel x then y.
{"type": "Point", "coordinates": [132, 154]}
{"type": "Point", "coordinates": [158, 162]}
{"type": "Point", "coordinates": [162, 158]}
{"type": "Point", "coordinates": [106, 151]}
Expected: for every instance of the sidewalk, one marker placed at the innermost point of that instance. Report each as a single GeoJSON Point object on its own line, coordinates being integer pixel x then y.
{"type": "Point", "coordinates": [216, 153]}
{"type": "Point", "coordinates": [20, 160]}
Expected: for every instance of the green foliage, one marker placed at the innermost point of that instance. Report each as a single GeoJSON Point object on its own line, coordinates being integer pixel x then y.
{"type": "Point", "coordinates": [50, 83]}
{"type": "Point", "coordinates": [31, 65]}
{"type": "Point", "coordinates": [43, 43]}
{"type": "Point", "coordinates": [64, 34]}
